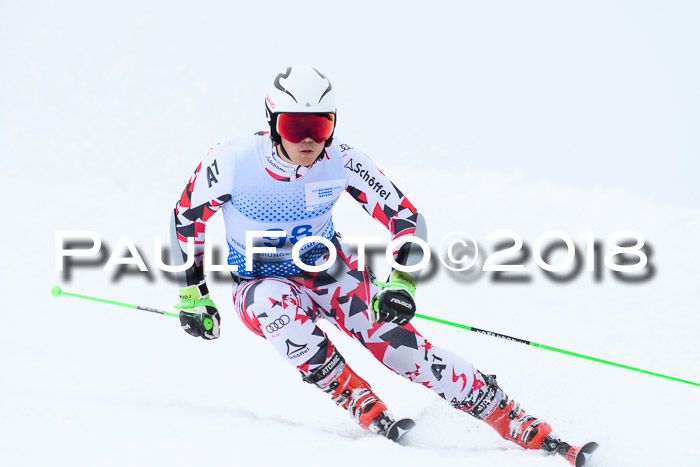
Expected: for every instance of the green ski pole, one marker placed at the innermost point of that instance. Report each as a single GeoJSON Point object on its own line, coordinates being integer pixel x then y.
{"type": "Point", "coordinates": [57, 292]}
{"type": "Point", "coordinates": [554, 349]}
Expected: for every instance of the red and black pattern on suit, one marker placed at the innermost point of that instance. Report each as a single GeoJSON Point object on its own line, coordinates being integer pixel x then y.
{"type": "Point", "coordinates": [284, 310]}
{"type": "Point", "coordinates": [190, 221]}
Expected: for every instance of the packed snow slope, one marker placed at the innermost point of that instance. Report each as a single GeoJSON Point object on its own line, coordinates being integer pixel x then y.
{"type": "Point", "coordinates": [490, 118]}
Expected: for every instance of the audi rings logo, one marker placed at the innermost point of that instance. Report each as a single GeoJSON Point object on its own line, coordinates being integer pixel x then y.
{"type": "Point", "coordinates": [278, 324]}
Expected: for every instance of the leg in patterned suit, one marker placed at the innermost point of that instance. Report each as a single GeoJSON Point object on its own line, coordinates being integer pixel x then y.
{"type": "Point", "coordinates": [284, 310]}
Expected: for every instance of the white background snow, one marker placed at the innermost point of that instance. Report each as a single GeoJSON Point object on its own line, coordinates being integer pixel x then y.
{"type": "Point", "coordinates": [525, 116]}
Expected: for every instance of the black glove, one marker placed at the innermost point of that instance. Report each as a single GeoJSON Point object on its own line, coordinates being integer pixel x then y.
{"type": "Point", "coordinates": [394, 302]}
{"type": "Point", "coordinates": [198, 316]}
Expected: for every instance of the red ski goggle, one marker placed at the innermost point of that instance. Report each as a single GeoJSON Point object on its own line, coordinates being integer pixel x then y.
{"type": "Point", "coordinates": [298, 127]}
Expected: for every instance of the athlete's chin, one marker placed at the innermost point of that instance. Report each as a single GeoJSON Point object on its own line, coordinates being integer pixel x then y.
{"type": "Point", "coordinates": [307, 158]}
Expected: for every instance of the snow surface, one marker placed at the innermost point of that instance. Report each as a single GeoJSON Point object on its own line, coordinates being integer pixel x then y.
{"type": "Point", "coordinates": [525, 118]}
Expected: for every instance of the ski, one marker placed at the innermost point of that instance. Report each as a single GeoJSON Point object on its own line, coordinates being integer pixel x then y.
{"type": "Point", "coordinates": [584, 453]}
{"type": "Point", "coordinates": [399, 428]}
{"type": "Point", "coordinates": [577, 455]}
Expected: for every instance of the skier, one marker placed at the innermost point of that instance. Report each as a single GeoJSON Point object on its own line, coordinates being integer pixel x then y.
{"type": "Point", "coordinates": [286, 182]}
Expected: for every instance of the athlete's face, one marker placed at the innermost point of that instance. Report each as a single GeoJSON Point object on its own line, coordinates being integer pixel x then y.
{"type": "Point", "coordinates": [304, 152]}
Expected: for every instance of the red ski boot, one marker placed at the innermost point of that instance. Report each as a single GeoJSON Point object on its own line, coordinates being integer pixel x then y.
{"type": "Point", "coordinates": [506, 417]}
{"type": "Point", "coordinates": [512, 423]}
{"type": "Point", "coordinates": [354, 394]}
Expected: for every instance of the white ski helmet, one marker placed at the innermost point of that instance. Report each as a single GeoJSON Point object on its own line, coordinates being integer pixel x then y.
{"type": "Point", "coordinates": [299, 89]}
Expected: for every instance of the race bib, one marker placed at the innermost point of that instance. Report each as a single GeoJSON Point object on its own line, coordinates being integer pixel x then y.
{"type": "Point", "coordinates": [325, 192]}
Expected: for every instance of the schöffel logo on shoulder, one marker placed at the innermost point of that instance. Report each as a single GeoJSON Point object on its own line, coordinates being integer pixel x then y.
{"type": "Point", "coordinates": [371, 181]}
